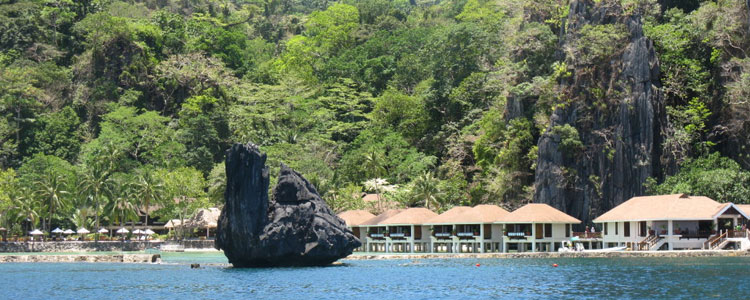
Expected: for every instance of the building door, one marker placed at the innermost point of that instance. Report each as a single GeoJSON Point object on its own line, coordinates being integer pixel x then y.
{"type": "Point", "coordinates": [642, 228]}
{"type": "Point", "coordinates": [539, 231]}
{"type": "Point", "coordinates": [725, 223]}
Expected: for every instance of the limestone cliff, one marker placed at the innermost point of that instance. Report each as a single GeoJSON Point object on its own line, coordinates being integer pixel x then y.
{"type": "Point", "coordinates": [615, 106]}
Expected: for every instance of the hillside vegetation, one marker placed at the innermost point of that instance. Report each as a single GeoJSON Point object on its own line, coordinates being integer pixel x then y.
{"type": "Point", "coordinates": [111, 107]}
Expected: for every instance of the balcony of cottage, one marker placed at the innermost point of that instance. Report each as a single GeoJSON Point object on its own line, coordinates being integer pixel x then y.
{"type": "Point", "coordinates": [468, 231]}
{"type": "Point", "coordinates": [442, 232]}
{"type": "Point", "coordinates": [518, 231]}
{"type": "Point", "coordinates": [588, 235]}
{"type": "Point", "coordinates": [377, 233]}
{"type": "Point", "coordinates": [399, 232]}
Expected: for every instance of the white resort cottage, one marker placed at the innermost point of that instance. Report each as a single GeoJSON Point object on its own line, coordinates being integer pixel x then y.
{"type": "Point", "coordinates": [468, 229]}
{"type": "Point", "coordinates": [354, 220]}
{"type": "Point", "coordinates": [407, 232]}
{"type": "Point", "coordinates": [674, 222]}
{"type": "Point", "coordinates": [664, 222]}
{"type": "Point", "coordinates": [536, 227]}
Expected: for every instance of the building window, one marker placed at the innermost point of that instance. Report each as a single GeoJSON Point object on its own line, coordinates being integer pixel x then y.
{"type": "Point", "coordinates": [616, 229]}
{"type": "Point", "coordinates": [547, 230]}
{"type": "Point", "coordinates": [627, 229]}
{"type": "Point", "coordinates": [606, 228]}
{"type": "Point", "coordinates": [567, 230]}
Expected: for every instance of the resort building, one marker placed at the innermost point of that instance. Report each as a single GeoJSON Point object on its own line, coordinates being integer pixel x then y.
{"type": "Point", "coordinates": [536, 227]}
{"type": "Point", "coordinates": [476, 230]}
{"type": "Point", "coordinates": [443, 227]}
{"type": "Point", "coordinates": [407, 232]}
{"type": "Point", "coordinates": [354, 220]}
{"type": "Point", "coordinates": [377, 232]}
{"type": "Point", "coordinates": [672, 222]}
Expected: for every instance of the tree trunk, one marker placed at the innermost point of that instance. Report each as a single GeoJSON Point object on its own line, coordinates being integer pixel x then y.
{"type": "Point", "coordinates": [96, 216]}
{"type": "Point", "coordinates": [145, 219]}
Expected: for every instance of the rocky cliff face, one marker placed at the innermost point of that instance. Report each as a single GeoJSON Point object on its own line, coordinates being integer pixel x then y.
{"type": "Point", "coordinates": [617, 109]}
{"type": "Point", "coordinates": [296, 227]}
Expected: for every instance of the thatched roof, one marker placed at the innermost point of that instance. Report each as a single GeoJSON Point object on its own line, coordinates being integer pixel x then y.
{"type": "Point", "coordinates": [174, 223]}
{"type": "Point", "coordinates": [381, 217]}
{"type": "Point", "coordinates": [449, 216]}
{"type": "Point", "coordinates": [411, 216]}
{"type": "Point", "coordinates": [482, 214]}
{"type": "Point", "coordinates": [666, 207]}
{"type": "Point", "coordinates": [538, 213]}
{"type": "Point", "coordinates": [205, 218]}
{"type": "Point", "coordinates": [355, 217]}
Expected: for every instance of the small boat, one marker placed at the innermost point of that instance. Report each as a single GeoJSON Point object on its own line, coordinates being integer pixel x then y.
{"type": "Point", "coordinates": [568, 247]}
{"type": "Point", "coordinates": [172, 247]}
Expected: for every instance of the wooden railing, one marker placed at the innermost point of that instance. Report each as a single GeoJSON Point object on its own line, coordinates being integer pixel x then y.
{"type": "Point", "coordinates": [737, 234]}
{"type": "Point", "coordinates": [716, 241]}
{"type": "Point", "coordinates": [648, 242]}
{"type": "Point", "coordinates": [588, 235]}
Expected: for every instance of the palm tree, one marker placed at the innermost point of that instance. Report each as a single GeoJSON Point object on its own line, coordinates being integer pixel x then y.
{"type": "Point", "coordinates": [80, 217]}
{"type": "Point", "coordinates": [373, 164]}
{"type": "Point", "coordinates": [121, 207]}
{"type": "Point", "coordinates": [379, 186]}
{"type": "Point", "coordinates": [24, 207]}
{"type": "Point", "coordinates": [426, 188]}
{"type": "Point", "coordinates": [149, 190]}
{"type": "Point", "coordinates": [93, 184]}
{"type": "Point", "coordinates": [51, 188]}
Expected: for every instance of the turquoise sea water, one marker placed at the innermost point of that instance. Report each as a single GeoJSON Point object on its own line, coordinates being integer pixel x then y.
{"type": "Point", "coordinates": [590, 278]}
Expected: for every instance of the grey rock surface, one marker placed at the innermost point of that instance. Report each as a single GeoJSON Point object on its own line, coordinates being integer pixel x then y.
{"type": "Point", "coordinates": [293, 228]}
{"type": "Point", "coordinates": [622, 139]}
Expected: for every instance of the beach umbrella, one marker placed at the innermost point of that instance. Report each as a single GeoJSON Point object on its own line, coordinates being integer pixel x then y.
{"type": "Point", "coordinates": [148, 232]}
{"type": "Point", "coordinates": [57, 231]}
{"type": "Point", "coordinates": [35, 232]}
{"type": "Point", "coordinates": [68, 231]}
{"type": "Point", "coordinates": [83, 231]}
{"type": "Point", "coordinates": [138, 232]}
{"type": "Point", "coordinates": [103, 230]}
{"type": "Point", "coordinates": [123, 232]}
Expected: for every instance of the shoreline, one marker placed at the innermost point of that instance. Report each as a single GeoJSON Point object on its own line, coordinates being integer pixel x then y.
{"type": "Point", "coordinates": [155, 258]}
{"type": "Point", "coordinates": [101, 246]}
{"type": "Point", "coordinates": [618, 254]}
{"type": "Point", "coordinates": [139, 258]}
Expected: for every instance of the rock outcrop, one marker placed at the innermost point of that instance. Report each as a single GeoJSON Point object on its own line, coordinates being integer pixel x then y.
{"type": "Point", "coordinates": [294, 228]}
{"type": "Point", "coordinates": [618, 111]}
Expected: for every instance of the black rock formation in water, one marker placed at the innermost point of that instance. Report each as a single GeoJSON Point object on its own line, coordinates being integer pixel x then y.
{"type": "Point", "coordinates": [294, 228]}
{"type": "Point", "coordinates": [617, 109]}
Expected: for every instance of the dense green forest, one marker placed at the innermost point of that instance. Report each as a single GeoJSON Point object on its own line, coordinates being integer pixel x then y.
{"type": "Point", "coordinates": [110, 107]}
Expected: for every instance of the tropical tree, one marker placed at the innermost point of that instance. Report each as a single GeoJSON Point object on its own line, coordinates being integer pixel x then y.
{"type": "Point", "coordinates": [80, 217]}
{"type": "Point", "coordinates": [93, 186]}
{"type": "Point", "coordinates": [379, 186]}
{"type": "Point", "coordinates": [344, 198]}
{"type": "Point", "coordinates": [427, 188]}
{"type": "Point", "coordinates": [24, 208]}
{"type": "Point", "coordinates": [149, 189]}
{"type": "Point", "coordinates": [121, 206]}
{"type": "Point", "coordinates": [186, 188]}
{"type": "Point", "coordinates": [51, 189]}
{"type": "Point", "coordinates": [8, 184]}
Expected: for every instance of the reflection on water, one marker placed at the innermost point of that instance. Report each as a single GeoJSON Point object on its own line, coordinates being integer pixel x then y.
{"type": "Point", "coordinates": [591, 278]}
